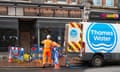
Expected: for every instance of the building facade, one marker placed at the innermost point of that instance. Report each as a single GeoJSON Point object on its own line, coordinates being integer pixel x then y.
{"type": "Point", "coordinates": [104, 11]}
{"type": "Point", "coordinates": [25, 23]}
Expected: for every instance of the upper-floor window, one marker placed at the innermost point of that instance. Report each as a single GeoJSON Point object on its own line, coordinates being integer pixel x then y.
{"type": "Point", "coordinates": [56, 1]}
{"type": "Point", "coordinates": [104, 3]}
{"type": "Point", "coordinates": [109, 3]}
{"type": "Point", "coordinates": [97, 2]}
{"type": "Point", "coordinates": [63, 1]}
{"type": "Point", "coordinates": [21, 0]}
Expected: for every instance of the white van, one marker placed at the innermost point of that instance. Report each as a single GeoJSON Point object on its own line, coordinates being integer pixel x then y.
{"type": "Point", "coordinates": [93, 42]}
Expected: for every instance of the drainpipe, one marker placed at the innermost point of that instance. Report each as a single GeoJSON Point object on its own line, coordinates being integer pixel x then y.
{"type": "Point", "coordinates": [38, 30]}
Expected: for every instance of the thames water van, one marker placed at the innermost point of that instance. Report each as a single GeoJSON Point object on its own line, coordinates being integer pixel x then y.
{"type": "Point", "coordinates": [93, 42]}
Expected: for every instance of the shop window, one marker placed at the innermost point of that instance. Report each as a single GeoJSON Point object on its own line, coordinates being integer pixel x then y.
{"type": "Point", "coordinates": [54, 32]}
{"type": "Point", "coordinates": [8, 37]}
{"type": "Point", "coordinates": [8, 34]}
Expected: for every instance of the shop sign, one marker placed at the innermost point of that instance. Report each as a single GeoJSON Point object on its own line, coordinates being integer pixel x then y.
{"type": "Point", "coordinates": [30, 11]}
{"type": "Point", "coordinates": [3, 10]}
{"type": "Point", "coordinates": [99, 15]}
{"type": "Point", "coordinates": [61, 13]}
{"type": "Point", "coordinates": [52, 12]}
{"type": "Point", "coordinates": [46, 11]}
{"type": "Point", "coordinates": [75, 13]}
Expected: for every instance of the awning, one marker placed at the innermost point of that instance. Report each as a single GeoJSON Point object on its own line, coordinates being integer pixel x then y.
{"type": "Point", "coordinates": [9, 23]}
{"type": "Point", "coordinates": [54, 23]}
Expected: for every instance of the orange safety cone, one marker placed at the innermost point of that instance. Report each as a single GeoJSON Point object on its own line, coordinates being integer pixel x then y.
{"type": "Point", "coordinates": [9, 59]}
{"type": "Point", "coordinates": [57, 66]}
{"type": "Point", "coordinates": [10, 56]}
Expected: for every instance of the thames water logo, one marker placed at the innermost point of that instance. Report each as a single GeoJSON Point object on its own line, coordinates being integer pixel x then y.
{"type": "Point", "coordinates": [101, 37]}
{"type": "Point", "coordinates": [73, 33]}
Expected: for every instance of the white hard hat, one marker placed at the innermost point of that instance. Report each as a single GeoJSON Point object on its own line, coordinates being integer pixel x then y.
{"type": "Point", "coordinates": [48, 36]}
{"type": "Point", "coordinates": [22, 49]}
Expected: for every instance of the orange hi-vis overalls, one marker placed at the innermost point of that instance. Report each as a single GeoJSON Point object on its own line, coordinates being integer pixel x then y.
{"type": "Point", "coordinates": [55, 44]}
{"type": "Point", "coordinates": [47, 50]}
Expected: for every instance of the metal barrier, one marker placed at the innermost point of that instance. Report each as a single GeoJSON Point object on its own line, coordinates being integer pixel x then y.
{"type": "Point", "coordinates": [36, 53]}
{"type": "Point", "coordinates": [15, 53]}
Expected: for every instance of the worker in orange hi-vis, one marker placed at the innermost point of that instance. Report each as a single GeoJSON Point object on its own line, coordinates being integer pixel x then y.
{"type": "Point", "coordinates": [47, 50]}
{"type": "Point", "coordinates": [55, 44]}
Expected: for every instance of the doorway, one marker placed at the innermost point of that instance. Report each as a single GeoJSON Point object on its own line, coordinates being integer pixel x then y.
{"type": "Point", "coordinates": [26, 30]}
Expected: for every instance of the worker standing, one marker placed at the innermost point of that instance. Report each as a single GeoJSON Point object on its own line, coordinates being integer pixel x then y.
{"type": "Point", "coordinates": [54, 45]}
{"type": "Point", "coordinates": [47, 50]}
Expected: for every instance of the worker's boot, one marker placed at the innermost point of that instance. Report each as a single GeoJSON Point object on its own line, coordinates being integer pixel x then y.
{"type": "Point", "coordinates": [43, 66]}
{"type": "Point", "coordinates": [50, 65]}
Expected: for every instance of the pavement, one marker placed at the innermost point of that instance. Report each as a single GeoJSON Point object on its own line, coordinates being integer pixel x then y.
{"type": "Point", "coordinates": [35, 63]}
{"type": "Point", "coordinates": [17, 63]}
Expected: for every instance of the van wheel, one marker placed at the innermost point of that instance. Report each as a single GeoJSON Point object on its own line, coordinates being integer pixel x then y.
{"type": "Point", "coordinates": [97, 61]}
